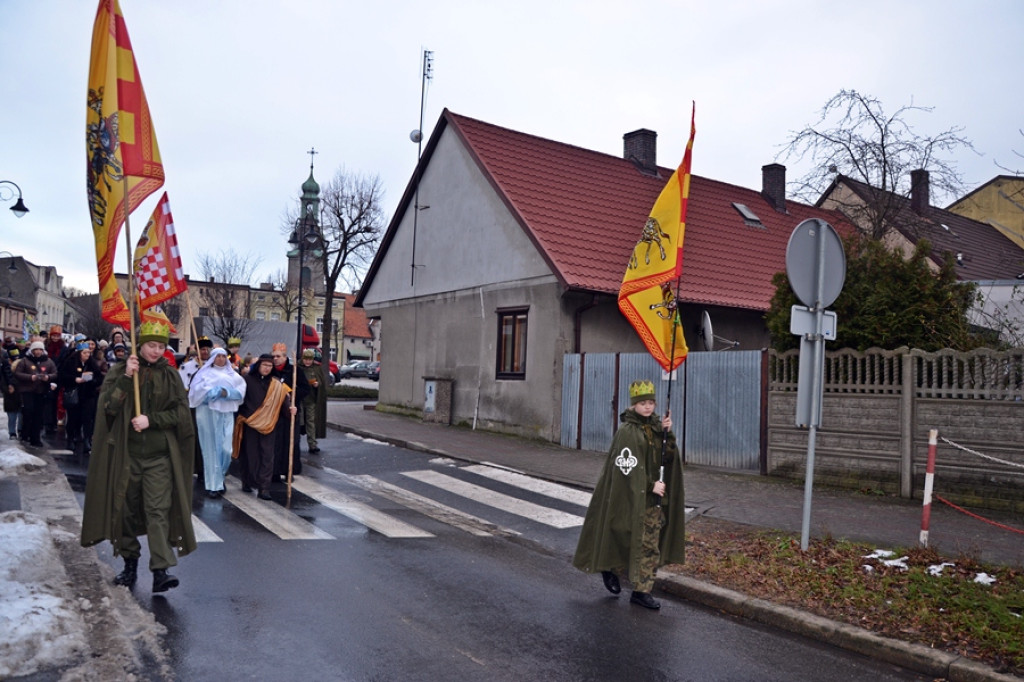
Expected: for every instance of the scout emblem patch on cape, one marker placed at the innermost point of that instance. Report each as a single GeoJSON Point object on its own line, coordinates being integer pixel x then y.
{"type": "Point", "coordinates": [625, 461]}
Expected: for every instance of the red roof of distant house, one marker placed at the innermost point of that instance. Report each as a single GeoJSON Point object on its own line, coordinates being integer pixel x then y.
{"type": "Point", "coordinates": [355, 320]}
{"type": "Point", "coordinates": [584, 210]}
{"type": "Point", "coordinates": [985, 253]}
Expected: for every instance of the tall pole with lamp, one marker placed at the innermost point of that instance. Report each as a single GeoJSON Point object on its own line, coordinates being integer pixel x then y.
{"type": "Point", "coordinates": [19, 209]}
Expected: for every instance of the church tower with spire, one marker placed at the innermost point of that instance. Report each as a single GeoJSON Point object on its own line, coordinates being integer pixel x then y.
{"type": "Point", "coordinates": [307, 227]}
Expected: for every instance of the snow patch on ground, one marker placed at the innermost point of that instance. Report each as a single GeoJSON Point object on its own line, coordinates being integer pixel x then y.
{"type": "Point", "coordinates": [41, 626]}
{"type": "Point", "coordinates": [14, 461]}
{"type": "Point", "coordinates": [367, 440]}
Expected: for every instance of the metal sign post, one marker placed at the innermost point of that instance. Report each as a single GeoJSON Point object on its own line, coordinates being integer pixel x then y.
{"type": "Point", "coordinates": [816, 266]}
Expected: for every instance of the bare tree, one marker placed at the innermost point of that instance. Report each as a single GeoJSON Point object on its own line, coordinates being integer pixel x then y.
{"type": "Point", "coordinates": [855, 138]}
{"type": "Point", "coordinates": [1014, 171]}
{"type": "Point", "coordinates": [90, 321]}
{"type": "Point", "coordinates": [352, 224]}
{"type": "Point", "coordinates": [283, 298]}
{"type": "Point", "coordinates": [228, 277]}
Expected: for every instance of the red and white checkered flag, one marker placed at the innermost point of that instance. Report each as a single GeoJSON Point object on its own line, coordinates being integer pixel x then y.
{"type": "Point", "coordinates": [158, 272]}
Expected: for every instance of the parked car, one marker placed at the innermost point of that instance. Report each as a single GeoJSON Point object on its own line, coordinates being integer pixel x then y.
{"type": "Point", "coordinates": [333, 367]}
{"type": "Point", "coordinates": [373, 372]}
{"type": "Point", "coordinates": [355, 369]}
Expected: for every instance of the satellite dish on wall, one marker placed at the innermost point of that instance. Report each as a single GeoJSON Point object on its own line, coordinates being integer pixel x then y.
{"type": "Point", "coordinates": [707, 334]}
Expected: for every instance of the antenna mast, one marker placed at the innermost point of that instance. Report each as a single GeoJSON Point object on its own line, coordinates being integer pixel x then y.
{"type": "Point", "coordinates": [417, 137]}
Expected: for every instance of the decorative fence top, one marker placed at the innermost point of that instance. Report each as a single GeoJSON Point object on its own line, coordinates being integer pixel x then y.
{"type": "Point", "coordinates": [982, 374]}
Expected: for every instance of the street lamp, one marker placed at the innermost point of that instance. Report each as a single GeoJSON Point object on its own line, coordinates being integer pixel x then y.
{"type": "Point", "coordinates": [19, 209]}
{"type": "Point", "coordinates": [304, 236]}
{"type": "Point", "coordinates": [12, 268]}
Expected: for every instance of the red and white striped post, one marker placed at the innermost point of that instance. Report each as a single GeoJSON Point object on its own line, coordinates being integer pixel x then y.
{"type": "Point", "coordinates": [929, 480]}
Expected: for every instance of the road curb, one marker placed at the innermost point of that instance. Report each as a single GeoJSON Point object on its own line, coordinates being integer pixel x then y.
{"type": "Point", "coordinates": [915, 657]}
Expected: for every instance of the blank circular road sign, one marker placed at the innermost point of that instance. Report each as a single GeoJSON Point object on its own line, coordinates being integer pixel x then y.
{"type": "Point", "coordinates": [803, 268]}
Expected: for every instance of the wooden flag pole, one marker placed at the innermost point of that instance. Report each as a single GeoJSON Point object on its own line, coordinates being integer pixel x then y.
{"type": "Point", "coordinates": [192, 323]}
{"type": "Point", "coordinates": [131, 294]}
{"type": "Point", "coordinates": [291, 433]}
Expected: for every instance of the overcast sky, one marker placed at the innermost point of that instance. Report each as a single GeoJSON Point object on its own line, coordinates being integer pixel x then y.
{"type": "Point", "coordinates": [240, 89]}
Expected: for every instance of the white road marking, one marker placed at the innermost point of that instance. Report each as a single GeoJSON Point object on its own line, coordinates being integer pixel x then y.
{"type": "Point", "coordinates": [357, 511]}
{"type": "Point", "coordinates": [507, 503]}
{"type": "Point", "coordinates": [424, 505]}
{"type": "Point", "coordinates": [275, 518]}
{"type": "Point", "coordinates": [203, 532]}
{"type": "Point", "coordinates": [536, 485]}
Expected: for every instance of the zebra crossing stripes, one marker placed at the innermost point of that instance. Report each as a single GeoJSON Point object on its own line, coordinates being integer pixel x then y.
{"type": "Point", "coordinates": [501, 501]}
{"type": "Point", "coordinates": [357, 511]}
{"type": "Point", "coordinates": [546, 488]}
{"type": "Point", "coordinates": [275, 518]}
{"type": "Point", "coordinates": [203, 532]}
{"type": "Point", "coordinates": [473, 525]}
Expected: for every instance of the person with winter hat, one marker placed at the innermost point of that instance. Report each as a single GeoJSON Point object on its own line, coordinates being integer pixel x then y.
{"type": "Point", "coordinates": [35, 375]}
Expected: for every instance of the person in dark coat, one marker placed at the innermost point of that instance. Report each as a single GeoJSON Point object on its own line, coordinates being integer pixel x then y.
{"type": "Point", "coordinates": [264, 410]}
{"type": "Point", "coordinates": [34, 374]}
{"type": "Point", "coordinates": [140, 472]}
{"type": "Point", "coordinates": [285, 371]}
{"type": "Point", "coordinates": [635, 521]}
{"type": "Point", "coordinates": [80, 378]}
{"type": "Point", "coordinates": [9, 388]}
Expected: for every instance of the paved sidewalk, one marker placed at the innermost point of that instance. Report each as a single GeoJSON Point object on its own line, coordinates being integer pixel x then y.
{"type": "Point", "coordinates": [740, 497]}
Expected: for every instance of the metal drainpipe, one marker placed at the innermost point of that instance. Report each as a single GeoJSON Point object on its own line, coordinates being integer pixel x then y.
{"type": "Point", "coordinates": [578, 324]}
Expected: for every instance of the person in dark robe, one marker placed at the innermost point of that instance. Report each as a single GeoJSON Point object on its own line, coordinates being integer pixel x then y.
{"type": "Point", "coordinates": [265, 408]}
{"type": "Point", "coordinates": [635, 521]}
{"type": "Point", "coordinates": [140, 472]}
{"type": "Point", "coordinates": [285, 371]}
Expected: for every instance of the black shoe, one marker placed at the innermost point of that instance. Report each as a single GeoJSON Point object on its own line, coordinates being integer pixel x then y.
{"type": "Point", "coordinates": [645, 600]}
{"type": "Point", "coordinates": [264, 495]}
{"type": "Point", "coordinates": [127, 577]}
{"type": "Point", "coordinates": [611, 582]}
{"type": "Point", "coordinates": [36, 443]}
{"type": "Point", "coordinates": [163, 581]}
{"type": "Point", "coordinates": [246, 488]}
{"type": "Point", "coordinates": [313, 451]}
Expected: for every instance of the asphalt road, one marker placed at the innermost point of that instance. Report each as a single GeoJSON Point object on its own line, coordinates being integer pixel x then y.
{"type": "Point", "coordinates": [416, 568]}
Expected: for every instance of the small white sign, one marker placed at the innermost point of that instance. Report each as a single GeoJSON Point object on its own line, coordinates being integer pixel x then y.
{"type": "Point", "coordinates": [803, 321]}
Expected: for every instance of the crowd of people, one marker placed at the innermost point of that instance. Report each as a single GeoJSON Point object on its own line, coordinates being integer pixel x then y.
{"type": "Point", "coordinates": [153, 431]}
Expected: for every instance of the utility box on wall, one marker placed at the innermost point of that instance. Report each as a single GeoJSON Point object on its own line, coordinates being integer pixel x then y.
{"type": "Point", "coordinates": [437, 402]}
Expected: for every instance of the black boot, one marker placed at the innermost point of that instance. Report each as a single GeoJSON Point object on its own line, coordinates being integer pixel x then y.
{"type": "Point", "coordinates": [127, 577]}
{"type": "Point", "coordinates": [163, 581]}
{"type": "Point", "coordinates": [645, 600]}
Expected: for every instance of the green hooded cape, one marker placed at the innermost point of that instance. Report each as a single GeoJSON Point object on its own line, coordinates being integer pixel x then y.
{"type": "Point", "coordinates": [613, 528]}
{"type": "Point", "coordinates": [164, 401]}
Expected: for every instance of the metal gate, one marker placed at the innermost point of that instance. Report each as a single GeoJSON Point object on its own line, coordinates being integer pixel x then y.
{"type": "Point", "coordinates": [720, 425]}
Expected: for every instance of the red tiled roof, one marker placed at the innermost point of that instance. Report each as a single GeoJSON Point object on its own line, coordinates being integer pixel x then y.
{"type": "Point", "coordinates": [584, 210]}
{"type": "Point", "coordinates": [355, 320]}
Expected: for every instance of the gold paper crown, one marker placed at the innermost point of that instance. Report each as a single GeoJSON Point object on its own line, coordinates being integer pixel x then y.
{"type": "Point", "coordinates": [154, 331]}
{"type": "Point", "coordinates": [234, 341]}
{"type": "Point", "coordinates": [641, 390]}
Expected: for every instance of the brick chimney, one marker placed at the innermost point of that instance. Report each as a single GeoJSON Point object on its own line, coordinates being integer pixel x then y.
{"type": "Point", "coordinates": [641, 147]}
{"type": "Point", "coordinates": [919, 191]}
{"type": "Point", "coordinates": [773, 185]}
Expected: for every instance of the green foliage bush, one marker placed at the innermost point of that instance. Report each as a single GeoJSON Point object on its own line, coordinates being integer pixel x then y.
{"type": "Point", "coordinates": [888, 301]}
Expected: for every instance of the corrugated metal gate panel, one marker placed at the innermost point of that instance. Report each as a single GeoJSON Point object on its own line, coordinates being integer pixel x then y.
{"type": "Point", "coordinates": [598, 407]}
{"type": "Point", "coordinates": [723, 409]}
{"type": "Point", "coordinates": [570, 400]}
{"type": "Point", "coordinates": [721, 394]}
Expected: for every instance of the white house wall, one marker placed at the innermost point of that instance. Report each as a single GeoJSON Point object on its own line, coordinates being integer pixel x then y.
{"type": "Point", "coordinates": [476, 259]}
{"type": "Point", "coordinates": [465, 239]}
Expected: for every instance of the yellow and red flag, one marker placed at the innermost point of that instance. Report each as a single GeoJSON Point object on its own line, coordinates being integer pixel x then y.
{"type": "Point", "coordinates": [120, 143]}
{"type": "Point", "coordinates": [646, 297]}
{"type": "Point", "coordinates": [159, 276]}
